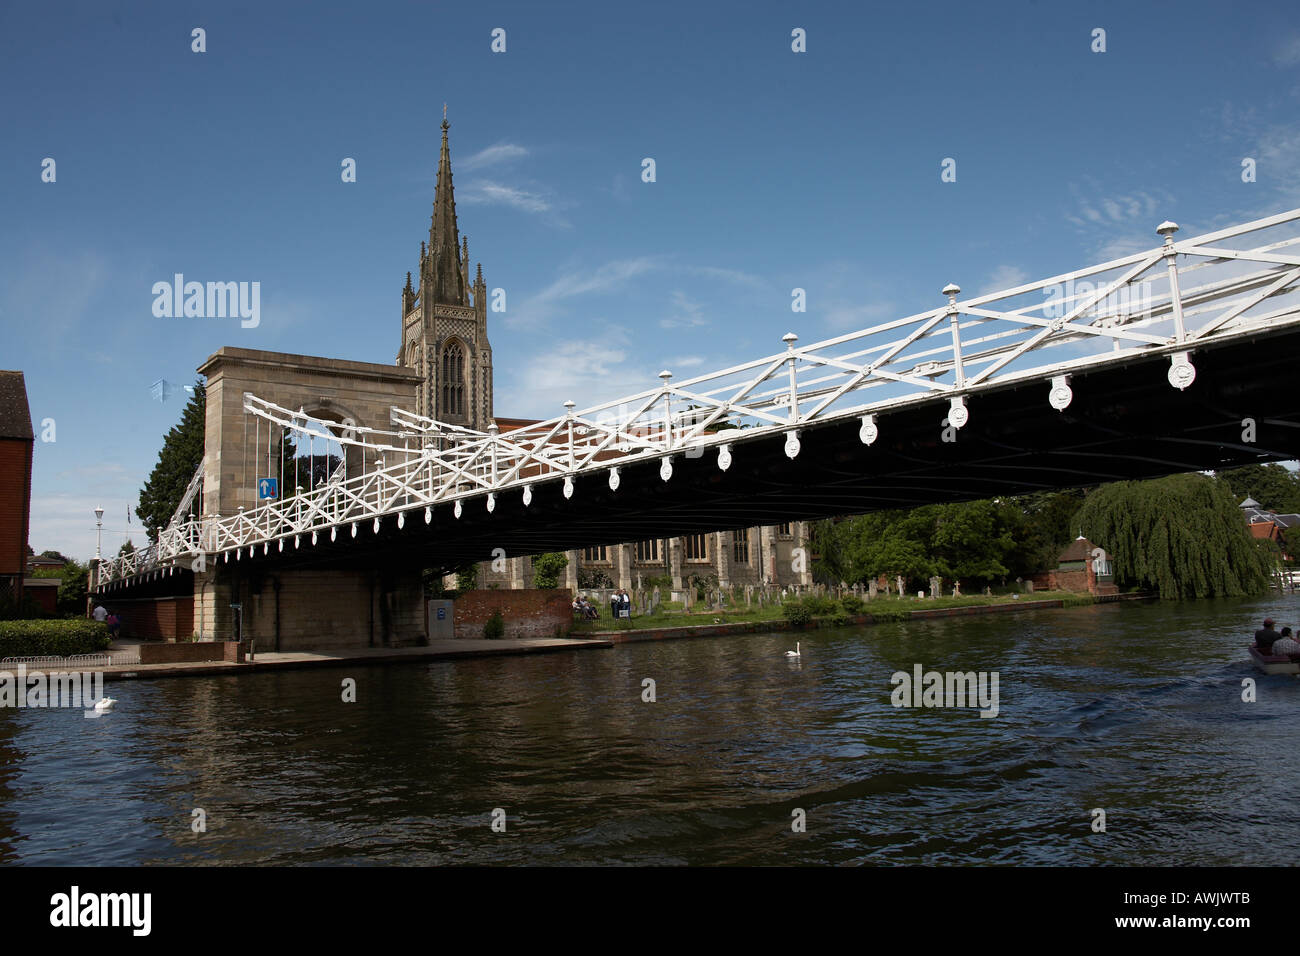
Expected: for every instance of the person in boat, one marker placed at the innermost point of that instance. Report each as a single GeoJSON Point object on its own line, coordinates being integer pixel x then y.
{"type": "Point", "coordinates": [1285, 645]}
{"type": "Point", "coordinates": [1266, 636]}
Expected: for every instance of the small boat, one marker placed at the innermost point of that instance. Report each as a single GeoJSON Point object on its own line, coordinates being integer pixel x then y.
{"type": "Point", "coordinates": [1274, 663]}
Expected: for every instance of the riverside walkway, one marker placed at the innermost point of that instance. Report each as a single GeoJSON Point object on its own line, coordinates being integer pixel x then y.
{"type": "Point", "coordinates": [289, 660]}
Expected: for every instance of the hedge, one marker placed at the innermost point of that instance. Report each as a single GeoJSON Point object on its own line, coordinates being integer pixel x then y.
{"type": "Point", "coordinates": [52, 638]}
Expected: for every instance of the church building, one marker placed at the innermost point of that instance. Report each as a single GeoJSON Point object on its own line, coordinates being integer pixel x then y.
{"type": "Point", "coordinates": [445, 341]}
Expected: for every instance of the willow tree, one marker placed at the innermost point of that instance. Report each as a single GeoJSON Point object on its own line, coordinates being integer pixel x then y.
{"type": "Point", "coordinates": [1182, 536]}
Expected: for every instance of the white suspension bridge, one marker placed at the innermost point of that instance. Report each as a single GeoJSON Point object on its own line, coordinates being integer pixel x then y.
{"type": "Point", "coordinates": [1170, 302]}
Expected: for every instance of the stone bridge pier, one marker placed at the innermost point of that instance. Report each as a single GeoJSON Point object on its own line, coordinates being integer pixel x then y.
{"type": "Point", "coordinates": [295, 608]}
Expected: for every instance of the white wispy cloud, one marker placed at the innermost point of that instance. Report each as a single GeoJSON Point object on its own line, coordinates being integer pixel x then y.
{"type": "Point", "coordinates": [488, 192]}
{"type": "Point", "coordinates": [493, 155]}
{"type": "Point", "coordinates": [727, 275]}
{"type": "Point", "coordinates": [610, 277]}
{"type": "Point", "coordinates": [1115, 209]}
{"type": "Point", "coordinates": [1003, 277]}
{"type": "Point", "coordinates": [686, 313]}
{"type": "Point", "coordinates": [1288, 51]}
{"type": "Point", "coordinates": [588, 370]}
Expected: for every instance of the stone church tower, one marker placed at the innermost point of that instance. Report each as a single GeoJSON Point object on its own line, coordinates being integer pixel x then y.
{"type": "Point", "coordinates": [444, 321]}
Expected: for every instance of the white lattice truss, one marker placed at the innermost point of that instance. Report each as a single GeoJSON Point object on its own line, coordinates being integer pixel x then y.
{"type": "Point", "coordinates": [1170, 300]}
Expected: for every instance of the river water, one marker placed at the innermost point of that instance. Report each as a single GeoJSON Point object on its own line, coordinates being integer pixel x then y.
{"type": "Point", "coordinates": [1135, 709]}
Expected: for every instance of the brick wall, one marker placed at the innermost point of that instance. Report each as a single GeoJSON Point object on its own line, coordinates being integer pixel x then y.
{"type": "Point", "coordinates": [191, 653]}
{"type": "Point", "coordinates": [1080, 581]}
{"type": "Point", "coordinates": [15, 493]}
{"type": "Point", "coordinates": [528, 612]}
{"type": "Point", "coordinates": [154, 619]}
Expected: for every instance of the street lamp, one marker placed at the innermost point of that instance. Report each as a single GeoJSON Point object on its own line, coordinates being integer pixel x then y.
{"type": "Point", "coordinates": [99, 539]}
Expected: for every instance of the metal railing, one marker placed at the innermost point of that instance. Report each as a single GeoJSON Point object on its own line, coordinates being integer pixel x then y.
{"type": "Point", "coordinates": [1232, 283]}
{"type": "Point", "coordinates": [74, 662]}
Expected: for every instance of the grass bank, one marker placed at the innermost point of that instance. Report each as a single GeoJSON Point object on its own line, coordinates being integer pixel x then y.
{"type": "Point", "coordinates": [814, 610]}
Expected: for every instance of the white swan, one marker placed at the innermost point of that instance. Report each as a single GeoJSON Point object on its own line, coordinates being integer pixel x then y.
{"type": "Point", "coordinates": [795, 652]}
{"type": "Point", "coordinates": [104, 705]}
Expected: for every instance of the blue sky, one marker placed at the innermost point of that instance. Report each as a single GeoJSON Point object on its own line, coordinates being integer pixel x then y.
{"type": "Point", "coordinates": [775, 170]}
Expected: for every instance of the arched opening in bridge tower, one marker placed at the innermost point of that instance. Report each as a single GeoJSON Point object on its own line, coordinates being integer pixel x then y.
{"type": "Point", "coordinates": [306, 460]}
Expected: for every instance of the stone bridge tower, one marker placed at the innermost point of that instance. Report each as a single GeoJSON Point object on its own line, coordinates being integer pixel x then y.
{"type": "Point", "coordinates": [444, 321]}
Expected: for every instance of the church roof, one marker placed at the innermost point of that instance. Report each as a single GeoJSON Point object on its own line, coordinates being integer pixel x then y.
{"type": "Point", "coordinates": [1249, 503]}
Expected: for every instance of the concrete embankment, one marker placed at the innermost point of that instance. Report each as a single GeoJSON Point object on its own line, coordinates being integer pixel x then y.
{"type": "Point", "coordinates": [351, 657]}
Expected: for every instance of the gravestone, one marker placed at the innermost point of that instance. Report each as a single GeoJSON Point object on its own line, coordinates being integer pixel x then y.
{"type": "Point", "coordinates": [936, 586]}
{"type": "Point", "coordinates": [873, 590]}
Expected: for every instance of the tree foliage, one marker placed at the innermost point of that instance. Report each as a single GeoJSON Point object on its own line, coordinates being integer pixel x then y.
{"type": "Point", "coordinates": [1182, 536]}
{"type": "Point", "coordinates": [976, 542]}
{"type": "Point", "coordinates": [181, 453]}
{"type": "Point", "coordinates": [547, 569]}
{"type": "Point", "coordinates": [467, 577]}
{"type": "Point", "coordinates": [1275, 488]}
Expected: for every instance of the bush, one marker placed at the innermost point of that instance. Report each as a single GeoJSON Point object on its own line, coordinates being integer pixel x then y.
{"type": "Point", "coordinates": [797, 612]}
{"type": "Point", "coordinates": [495, 627]}
{"type": "Point", "coordinates": [547, 569]}
{"type": "Point", "coordinates": [466, 578]}
{"type": "Point", "coordinates": [852, 604]}
{"type": "Point", "coordinates": [52, 638]}
{"type": "Point", "coordinates": [840, 619]}
{"type": "Point", "coordinates": [821, 605]}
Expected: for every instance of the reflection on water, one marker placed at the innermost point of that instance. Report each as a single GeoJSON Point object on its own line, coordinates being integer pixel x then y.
{"type": "Point", "coordinates": [1132, 708]}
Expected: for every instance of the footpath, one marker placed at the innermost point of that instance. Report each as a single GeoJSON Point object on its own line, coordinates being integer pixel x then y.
{"type": "Point", "coordinates": [270, 660]}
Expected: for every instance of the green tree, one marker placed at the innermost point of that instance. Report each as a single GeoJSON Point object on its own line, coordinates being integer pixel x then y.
{"type": "Point", "coordinates": [1275, 488]}
{"type": "Point", "coordinates": [1045, 531]}
{"type": "Point", "coordinates": [466, 577]}
{"type": "Point", "coordinates": [971, 540]}
{"type": "Point", "coordinates": [181, 453]}
{"type": "Point", "coordinates": [127, 548]}
{"type": "Point", "coordinates": [1291, 543]}
{"type": "Point", "coordinates": [547, 568]}
{"type": "Point", "coordinates": [1181, 536]}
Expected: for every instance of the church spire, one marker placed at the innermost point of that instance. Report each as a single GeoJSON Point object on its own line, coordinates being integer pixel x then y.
{"type": "Point", "coordinates": [447, 273]}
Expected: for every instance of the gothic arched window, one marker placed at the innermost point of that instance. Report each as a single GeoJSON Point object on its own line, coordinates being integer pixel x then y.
{"type": "Point", "coordinates": [453, 380]}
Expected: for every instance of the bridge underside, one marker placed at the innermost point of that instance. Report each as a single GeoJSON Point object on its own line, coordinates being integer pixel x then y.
{"type": "Point", "coordinates": [1125, 422]}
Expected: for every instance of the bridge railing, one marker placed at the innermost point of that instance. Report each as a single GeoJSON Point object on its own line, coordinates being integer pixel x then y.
{"type": "Point", "coordinates": [1169, 301]}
